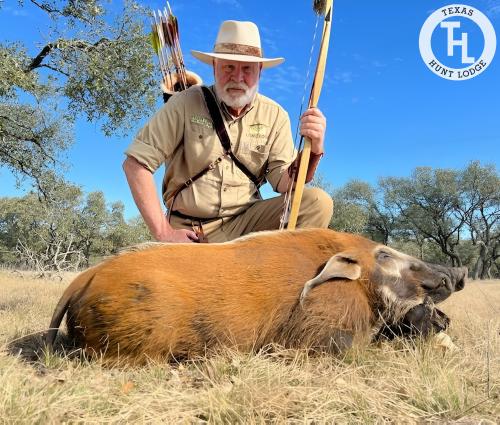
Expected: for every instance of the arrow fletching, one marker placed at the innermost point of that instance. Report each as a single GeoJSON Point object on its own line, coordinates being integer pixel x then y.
{"type": "Point", "coordinates": [165, 42]}
{"type": "Point", "coordinates": [319, 6]}
{"type": "Point", "coordinates": [154, 40]}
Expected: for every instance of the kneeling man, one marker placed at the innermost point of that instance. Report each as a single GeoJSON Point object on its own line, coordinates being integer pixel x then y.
{"type": "Point", "coordinates": [219, 144]}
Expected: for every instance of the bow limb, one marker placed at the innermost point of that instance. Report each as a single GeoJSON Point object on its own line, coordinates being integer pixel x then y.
{"type": "Point", "coordinates": [313, 102]}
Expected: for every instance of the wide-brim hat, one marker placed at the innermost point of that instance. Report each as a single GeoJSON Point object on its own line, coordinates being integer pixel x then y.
{"type": "Point", "coordinates": [237, 41]}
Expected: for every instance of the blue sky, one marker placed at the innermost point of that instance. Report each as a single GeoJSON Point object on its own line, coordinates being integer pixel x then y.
{"type": "Point", "coordinates": [387, 113]}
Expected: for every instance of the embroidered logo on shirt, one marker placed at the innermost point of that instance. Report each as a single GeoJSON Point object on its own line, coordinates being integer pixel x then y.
{"type": "Point", "coordinates": [205, 122]}
{"type": "Point", "coordinates": [258, 131]}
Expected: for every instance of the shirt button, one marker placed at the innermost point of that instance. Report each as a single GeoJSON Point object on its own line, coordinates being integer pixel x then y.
{"type": "Point", "coordinates": [200, 136]}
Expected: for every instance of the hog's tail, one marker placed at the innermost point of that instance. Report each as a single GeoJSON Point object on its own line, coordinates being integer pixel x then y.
{"type": "Point", "coordinates": [72, 292]}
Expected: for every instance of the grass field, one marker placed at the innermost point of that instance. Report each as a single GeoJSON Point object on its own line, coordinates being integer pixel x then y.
{"type": "Point", "coordinates": [394, 382]}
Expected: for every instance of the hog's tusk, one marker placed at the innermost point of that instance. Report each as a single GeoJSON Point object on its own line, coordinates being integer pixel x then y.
{"type": "Point", "coordinates": [443, 341]}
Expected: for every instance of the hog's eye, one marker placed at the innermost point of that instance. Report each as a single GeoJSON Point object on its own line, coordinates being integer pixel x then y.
{"type": "Point", "coordinates": [415, 267]}
{"type": "Point", "coordinates": [383, 256]}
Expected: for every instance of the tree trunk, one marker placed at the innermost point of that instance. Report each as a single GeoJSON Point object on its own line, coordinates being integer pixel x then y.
{"type": "Point", "coordinates": [455, 259]}
{"type": "Point", "coordinates": [477, 268]}
{"type": "Point", "coordinates": [486, 272]}
{"type": "Point", "coordinates": [483, 260]}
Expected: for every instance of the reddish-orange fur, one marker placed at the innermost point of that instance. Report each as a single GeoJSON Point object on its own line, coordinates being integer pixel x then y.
{"type": "Point", "coordinates": [177, 300]}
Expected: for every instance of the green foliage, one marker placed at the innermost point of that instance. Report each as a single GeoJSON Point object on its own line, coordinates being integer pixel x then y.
{"type": "Point", "coordinates": [480, 210]}
{"type": "Point", "coordinates": [31, 139]}
{"type": "Point", "coordinates": [64, 228]}
{"type": "Point", "coordinates": [348, 217]}
{"type": "Point", "coordinates": [426, 203]}
{"type": "Point", "coordinates": [439, 215]}
{"type": "Point", "coordinates": [94, 62]}
{"type": "Point", "coordinates": [360, 208]}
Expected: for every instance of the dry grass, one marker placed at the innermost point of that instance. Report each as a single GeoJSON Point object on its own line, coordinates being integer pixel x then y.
{"type": "Point", "coordinates": [392, 382]}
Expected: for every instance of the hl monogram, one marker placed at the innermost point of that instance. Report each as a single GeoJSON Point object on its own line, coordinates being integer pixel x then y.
{"type": "Point", "coordinates": [452, 42]}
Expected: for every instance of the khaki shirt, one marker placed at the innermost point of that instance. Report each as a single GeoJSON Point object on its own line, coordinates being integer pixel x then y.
{"type": "Point", "coordinates": [182, 136]}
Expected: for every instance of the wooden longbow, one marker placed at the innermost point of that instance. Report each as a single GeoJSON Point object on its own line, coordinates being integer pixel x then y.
{"type": "Point", "coordinates": [323, 8]}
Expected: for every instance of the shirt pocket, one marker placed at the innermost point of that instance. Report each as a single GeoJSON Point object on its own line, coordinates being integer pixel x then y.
{"type": "Point", "coordinates": [200, 127]}
{"type": "Point", "coordinates": [254, 154]}
{"type": "Point", "coordinates": [201, 144]}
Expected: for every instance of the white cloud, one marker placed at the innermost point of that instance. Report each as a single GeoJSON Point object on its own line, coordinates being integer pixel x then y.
{"type": "Point", "coordinates": [493, 10]}
{"type": "Point", "coordinates": [338, 77]}
{"type": "Point", "coordinates": [343, 77]}
{"type": "Point", "coordinates": [284, 78]}
{"type": "Point", "coordinates": [378, 64]}
{"type": "Point", "coordinates": [233, 3]}
{"type": "Point", "coordinates": [15, 11]}
{"type": "Point", "coordinates": [269, 37]}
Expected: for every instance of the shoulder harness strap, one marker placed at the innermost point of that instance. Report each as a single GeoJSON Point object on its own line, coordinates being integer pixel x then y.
{"type": "Point", "coordinates": [221, 131]}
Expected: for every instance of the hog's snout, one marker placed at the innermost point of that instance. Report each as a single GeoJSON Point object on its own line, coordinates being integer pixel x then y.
{"type": "Point", "coordinates": [443, 281]}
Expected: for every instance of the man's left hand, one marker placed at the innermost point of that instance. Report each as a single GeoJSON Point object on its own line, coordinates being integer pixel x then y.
{"type": "Point", "coordinates": [313, 126]}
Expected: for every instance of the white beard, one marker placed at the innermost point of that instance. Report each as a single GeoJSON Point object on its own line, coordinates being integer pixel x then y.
{"type": "Point", "coordinates": [236, 101]}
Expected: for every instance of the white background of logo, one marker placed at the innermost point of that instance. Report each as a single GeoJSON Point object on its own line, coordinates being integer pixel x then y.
{"type": "Point", "coordinates": [469, 70]}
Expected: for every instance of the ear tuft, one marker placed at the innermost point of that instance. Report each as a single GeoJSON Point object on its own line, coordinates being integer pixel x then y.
{"type": "Point", "coordinates": [341, 266]}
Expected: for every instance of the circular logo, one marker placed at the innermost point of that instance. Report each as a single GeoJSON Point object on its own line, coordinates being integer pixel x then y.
{"type": "Point", "coordinates": [450, 30]}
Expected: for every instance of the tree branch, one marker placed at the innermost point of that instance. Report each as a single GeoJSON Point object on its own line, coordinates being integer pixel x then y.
{"type": "Point", "coordinates": [45, 7]}
{"type": "Point", "coordinates": [36, 62]}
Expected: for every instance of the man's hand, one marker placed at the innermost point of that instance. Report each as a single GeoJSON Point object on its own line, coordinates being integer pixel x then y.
{"type": "Point", "coordinates": [177, 235]}
{"type": "Point", "coordinates": [313, 126]}
{"type": "Point", "coordinates": [143, 189]}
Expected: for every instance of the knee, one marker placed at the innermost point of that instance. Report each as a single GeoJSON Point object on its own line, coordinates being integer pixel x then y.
{"type": "Point", "coordinates": [318, 197]}
{"type": "Point", "coordinates": [318, 203]}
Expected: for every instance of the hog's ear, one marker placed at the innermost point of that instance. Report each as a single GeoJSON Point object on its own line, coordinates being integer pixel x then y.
{"type": "Point", "coordinates": [341, 266]}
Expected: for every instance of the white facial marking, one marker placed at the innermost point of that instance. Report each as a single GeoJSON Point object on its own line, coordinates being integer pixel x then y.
{"type": "Point", "coordinates": [396, 307]}
{"type": "Point", "coordinates": [396, 264]}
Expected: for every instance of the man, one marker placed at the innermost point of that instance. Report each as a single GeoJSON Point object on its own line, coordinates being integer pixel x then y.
{"type": "Point", "coordinates": [212, 196]}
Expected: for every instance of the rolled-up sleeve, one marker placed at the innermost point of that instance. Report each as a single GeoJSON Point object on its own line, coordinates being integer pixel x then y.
{"type": "Point", "coordinates": [282, 152]}
{"type": "Point", "coordinates": [155, 143]}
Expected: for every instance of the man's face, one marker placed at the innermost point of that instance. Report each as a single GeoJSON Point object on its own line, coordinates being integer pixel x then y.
{"type": "Point", "coordinates": [236, 83]}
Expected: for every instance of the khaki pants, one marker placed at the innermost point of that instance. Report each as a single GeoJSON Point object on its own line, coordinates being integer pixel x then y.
{"type": "Point", "coordinates": [316, 210]}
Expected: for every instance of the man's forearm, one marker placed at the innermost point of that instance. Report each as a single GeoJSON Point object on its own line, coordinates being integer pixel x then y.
{"type": "Point", "coordinates": [143, 190]}
{"type": "Point", "coordinates": [283, 183]}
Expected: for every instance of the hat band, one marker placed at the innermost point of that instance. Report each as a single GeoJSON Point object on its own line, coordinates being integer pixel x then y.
{"type": "Point", "coordinates": [238, 49]}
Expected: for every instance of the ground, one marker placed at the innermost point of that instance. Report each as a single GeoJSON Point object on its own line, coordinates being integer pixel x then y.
{"type": "Point", "coordinates": [396, 382]}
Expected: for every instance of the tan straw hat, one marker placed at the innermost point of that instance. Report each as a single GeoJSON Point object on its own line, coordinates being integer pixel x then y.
{"type": "Point", "coordinates": [237, 41]}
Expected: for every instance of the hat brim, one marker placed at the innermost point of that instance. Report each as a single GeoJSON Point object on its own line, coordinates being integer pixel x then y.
{"type": "Point", "coordinates": [208, 58]}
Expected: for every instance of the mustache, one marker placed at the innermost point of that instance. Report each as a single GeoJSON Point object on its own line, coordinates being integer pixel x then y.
{"type": "Point", "coordinates": [232, 85]}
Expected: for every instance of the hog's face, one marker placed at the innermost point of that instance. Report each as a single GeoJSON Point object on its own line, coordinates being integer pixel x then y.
{"type": "Point", "coordinates": [402, 277]}
{"type": "Point", "coordinates": [395, 281]}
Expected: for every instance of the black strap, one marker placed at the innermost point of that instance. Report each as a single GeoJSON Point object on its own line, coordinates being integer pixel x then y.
{"type": "Point", "coordinates": [166, 96]}
{"type": "Point", "coordinates": [190, 217]}
{"type": "Point", "coordinates": [190, 181]}
{"type": "Point", "coordinates": [221, 131]}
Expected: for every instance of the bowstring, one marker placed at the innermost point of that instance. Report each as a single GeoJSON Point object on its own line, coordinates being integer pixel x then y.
{"type": "Point", "coordinates": [297, 145]}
